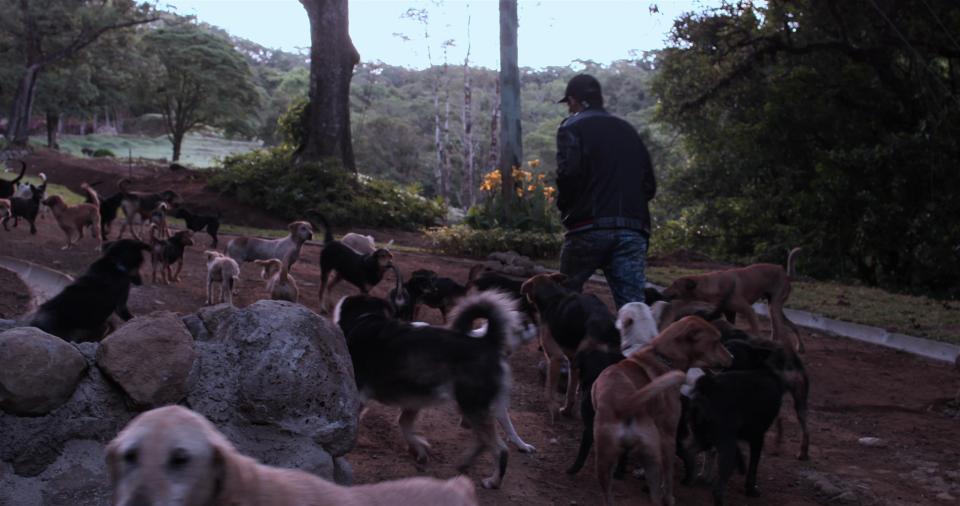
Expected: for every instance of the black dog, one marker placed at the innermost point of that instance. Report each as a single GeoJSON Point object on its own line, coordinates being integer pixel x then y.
{"type": "Point", "coordinates": [435, 291]}
{"type": "Point", "coordinates": [198, 222]}
{"type": "Point", "coordinates": [166, 252]}
{"type": "Point", "coordinates": [412, 367]}
{"type": "Point", "coordinates": [411, 291]}
{"type": "Point", "coordinates": [729, 407]}
{"type": "Point", "coordinates": [108, 209]}
{"type": "Point", "coordinates": [400, 299]}
{"type": "Point", "coordinates": [362, 271]}
{"type": "Point", "coordinates": [80, 311]}
{"type": "Point", "coordinates": [8, 188]}
{"type": "Point", "coordinates": [27, 207]}
{"type": "Point", "coordinates": [142, 204]}
{"type": "Point", "coordinates": [590, 362]}
{"type": "Point", "coordinates": [760, 354]}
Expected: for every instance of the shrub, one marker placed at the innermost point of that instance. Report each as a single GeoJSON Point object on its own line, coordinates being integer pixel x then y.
{"type": "Point", "coordinates": [103, 152]}
{"type": "Point", "coordinates": [533, 209]}
{"type": "Point", "coordinates": [465, 241]}
{"type": "Point", "coordinates": [268, 178]}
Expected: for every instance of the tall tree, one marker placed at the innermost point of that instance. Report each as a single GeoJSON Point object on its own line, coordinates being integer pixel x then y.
{"type": "Point", "coordinates": [203, 81]}
{"type": "Point", "coordinates": [511, 142]}
{"type": "Point", "coordinates": [46, 33]}
{"type": "Point", "coordinates": [332, 58]}
{"type": "Point", "coordinates": [469, 168]}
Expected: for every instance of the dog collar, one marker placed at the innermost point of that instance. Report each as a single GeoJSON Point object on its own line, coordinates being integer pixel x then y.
{"type": "Point", "coordinates": [663, 358]}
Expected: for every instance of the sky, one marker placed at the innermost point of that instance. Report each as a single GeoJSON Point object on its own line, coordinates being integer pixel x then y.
{"type": "Point", "coordinates": [550, 33]}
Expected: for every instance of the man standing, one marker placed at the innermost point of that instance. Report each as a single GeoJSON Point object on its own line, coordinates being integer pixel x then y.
{"type": "Point", "coordinates": [604, 182]}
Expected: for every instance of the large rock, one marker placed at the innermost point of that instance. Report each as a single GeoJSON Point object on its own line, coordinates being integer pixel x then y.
{"type": "Point", "coordinates": [96, 411]}
{"type": "Point", "coordinates": [7, 324]}
{"type": "Point", "coordinates": [150, 358]}
{"type": "Point", "coordinates": [38, 371]}
{"type": "Point", "coordinates": [277, 364]}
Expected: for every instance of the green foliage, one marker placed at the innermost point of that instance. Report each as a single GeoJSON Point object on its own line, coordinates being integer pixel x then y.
{"type": "Point", "coordinates": [817, 124]}
{"type": "Point", "coordinates": [462, 240]}
{"type": "Point", "coordinates": [533, 210]}
{"type": "Point", "coordinates": [292, 125]}
{"type": "Point", "coordinates": [103, 152]}
{"type": "Point", "coordinates": [269, 179]}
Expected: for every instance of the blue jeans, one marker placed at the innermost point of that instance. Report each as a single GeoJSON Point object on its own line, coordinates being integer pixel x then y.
{"type": "Point", "coordinates": [620, 253]}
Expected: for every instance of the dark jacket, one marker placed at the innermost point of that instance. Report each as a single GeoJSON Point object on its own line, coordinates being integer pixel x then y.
{"type": "Point", "coordinates": [604, 175]}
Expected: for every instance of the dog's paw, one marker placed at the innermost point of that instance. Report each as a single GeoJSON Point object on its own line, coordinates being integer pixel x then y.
{"type": "Point", "coordinates": [525, 448]}
{"type": "Point", "coordinates": [490, 483]}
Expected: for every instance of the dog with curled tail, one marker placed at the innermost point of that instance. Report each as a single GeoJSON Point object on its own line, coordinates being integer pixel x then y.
{"type": "Point", "coordinates": [175, 456]}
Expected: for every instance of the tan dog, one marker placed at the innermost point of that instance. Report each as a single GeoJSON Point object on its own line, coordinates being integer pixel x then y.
{"type": "Point", "coordinates": [174, 456]}
{"type": "Point", "coordinates": [745, 286]}
{"type": "Point", "coordinates": [224, 270]}
{"type": "Point", "coordinates": [73, 219]}
{"type": "Point", "coordinates": [637, 403]}
{"type": "Point", "coordinates": [248, 249]}
{"type": "Point", "coordinates": [280, 284]}
{"type": "Point", "coordinates": [5, 211]}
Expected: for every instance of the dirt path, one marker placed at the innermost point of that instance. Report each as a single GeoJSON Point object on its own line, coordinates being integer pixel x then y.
{"type": "Point", "coordinates": [858, 390]}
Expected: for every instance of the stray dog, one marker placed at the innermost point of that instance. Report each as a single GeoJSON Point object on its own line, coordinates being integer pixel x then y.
{"type": "Point", "coordinates": [637, 403]}
{"type": "Point", "coordinates": [108, 208]}
{"type": "Point", "coordinates": [142, 205]}
{"type": "Point", "coordinates": [443, 292]}
{"type": "Point", "coordinates": [400, 300]}
{"type": "Point", "coordinates": [570, 322]}
{"type": "Point", "coordinates": [637, 326]}
{"type": "Point", "coordinates": [413, 367]}
{"type": "Point", "coordinates": [751, 354]}
{"type": "Point", "coordinates": [362, 271]}
{"type": "Point", "coordinates": [481, 279]}
{"type": "Point", "coordinates": [412, 291]}
{"type": "Point", "coordinates": [280, 284]}
{"type": "Point", "coordinates": [590, 363]}
{"type": "Point", "coordinates": [27, 208]}
{"type": "Point", "coordinates": [166, 252]}
{"type": "Point", "coordinates": [732, 406]}
{"type": "Point", "coordinates": [224, 270]}
{"type": "Point", "coordinates": [80, 311]}
{"type": "Point", "coordinates": [198, 222]}
{"type": "Point", "coordinates": [747, 284]}
{"type": "Point", "coordinates": [172, 455]}
{"type": "Point", "coordinates": [363, 244]}
{"type": "Point", "coordinates": [158, 219]}
{"type": "Point", "coordinates": [7, 188]}
{"type": "Point", "coordinates": [73, 219]}
{"type": "Point", "coordinates": [248, 249]}
{"type": "Point", "coordinates": [5, 209]}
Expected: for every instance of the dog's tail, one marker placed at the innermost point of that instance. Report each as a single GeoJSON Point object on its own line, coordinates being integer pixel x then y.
{"type": "Point", "coordinates": [636, 402]}
{"type": "Point", "coordinates": [792, 262]}
{"type": "Point", "coordinates": [498, 308]}
{"type": "Point", "coordinates": [23, 170]}
{"type": "Point", "coordinates": [327, 232]}
{"type": "Point", "coordinates": [92, 196]}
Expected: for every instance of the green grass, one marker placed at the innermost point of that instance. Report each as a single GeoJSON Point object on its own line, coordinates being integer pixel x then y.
{"type": "Point", "coordinates": [198, 151]}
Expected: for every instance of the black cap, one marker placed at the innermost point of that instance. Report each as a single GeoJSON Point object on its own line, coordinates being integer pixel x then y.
{"type": "Point", "coordinates": [581, 87]}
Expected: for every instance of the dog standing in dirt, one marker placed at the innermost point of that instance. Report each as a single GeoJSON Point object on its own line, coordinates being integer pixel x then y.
{"type": "Point", "coordinates": [108, 207]}
{"type": "Point", "coordinates": [224, 270]}
{"type": "Point", "coordinates": [174, 456]}
{"type": "Point", "coordinates": [27, 207]}
{"type": "Point", "coordinates": [81, 310]}
{"type": "Point", "coordinates": [7, 188]}
{"type": "Point", "coordinates": [248, 249]}
{"type": "Point", "coordinates": [142, 205]}
{"type": "Point", "coordinates": [166, 252]}
{"type": "Point", "coordinates": [747, 285]}
{"type": "Point", "coordinates": [280, 284]}
{"type": "Point", "coordinates": [198, 222]}
{"type": "Point", "coordinates": [637, 403]}
{"type": "Point", "coordinates": [362, 271]}
{"type": "Point", "coordinates": [413, 367]}
{"type": "Point", "coordinates": [5, 209]}
{"type": "Point", "coordinates": [569, 323]}
{"type": "Point", "coordinates": [73, 219]}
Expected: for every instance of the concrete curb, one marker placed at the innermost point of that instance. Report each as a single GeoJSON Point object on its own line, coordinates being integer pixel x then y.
{"type": "Point", "coordinates": [44, 283]}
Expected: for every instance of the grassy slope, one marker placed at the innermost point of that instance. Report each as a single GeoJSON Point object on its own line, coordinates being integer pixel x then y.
{"type": "Point", "coordinates": [198, 151]}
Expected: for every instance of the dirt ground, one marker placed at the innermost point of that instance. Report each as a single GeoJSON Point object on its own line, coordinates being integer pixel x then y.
{"type": "Point", "coordinates": [858, 390]}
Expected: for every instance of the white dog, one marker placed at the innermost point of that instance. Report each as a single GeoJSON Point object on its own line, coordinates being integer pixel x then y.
{"type": "Point", "coordinates": [363, 244]}
{"type": "Point", "coordinates": [224, 270]}
{"type": "Point", "coordinates": [638, 324]}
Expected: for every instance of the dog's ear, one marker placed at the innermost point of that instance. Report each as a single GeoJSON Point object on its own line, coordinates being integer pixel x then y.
{"type": "Point", "coordinates": [526, 289]}
{"type": "Point", "coordinates": [624, 323]}
{"type": "Point", "coordinates": [558, 277]}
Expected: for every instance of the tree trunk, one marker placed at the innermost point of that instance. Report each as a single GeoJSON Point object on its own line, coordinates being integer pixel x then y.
{"type": "Point", "coordinates": [494, 159]}
{"type": "Point", "coordinates": [53, 121]}
{"type": "Point", "coordinates": [511, 146]}
{"type": "Point", "coordinates": [332, 58]}
{"type": "Point", "coordinates": [467, 117]}
{"type": "Point", "coordinates": [18, 129]}
{"type": "Point", "coordinates": [177, 140]}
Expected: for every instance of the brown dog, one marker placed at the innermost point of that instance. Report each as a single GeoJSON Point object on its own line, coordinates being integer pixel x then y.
{"type": "Point", "coordinates": [569, 322]}
{"type": "Point", "coordinates": [280, 284]}
{"type": "Point", "coordinates": [172, 455]}
{"type": "Point", "coordinates": [142, 205]}
{"type": "Point", "coordinates": [745, 286]}
{"type": "Point", "coordinates": [73, 219]}
{"type": "Point", "coordinates": [637, 403]}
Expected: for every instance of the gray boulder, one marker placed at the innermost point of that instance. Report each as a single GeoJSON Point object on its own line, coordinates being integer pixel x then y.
{"type": "Point", "coordinates": [150, 358]}
{"type": "Point", "coordinates": [38, 371]}
{"type": "Point", "coordinates": [7, 324]}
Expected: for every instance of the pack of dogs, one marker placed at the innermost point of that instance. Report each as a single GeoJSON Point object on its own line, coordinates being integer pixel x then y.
{"type": "Point", "coordinates": [669, 377]}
